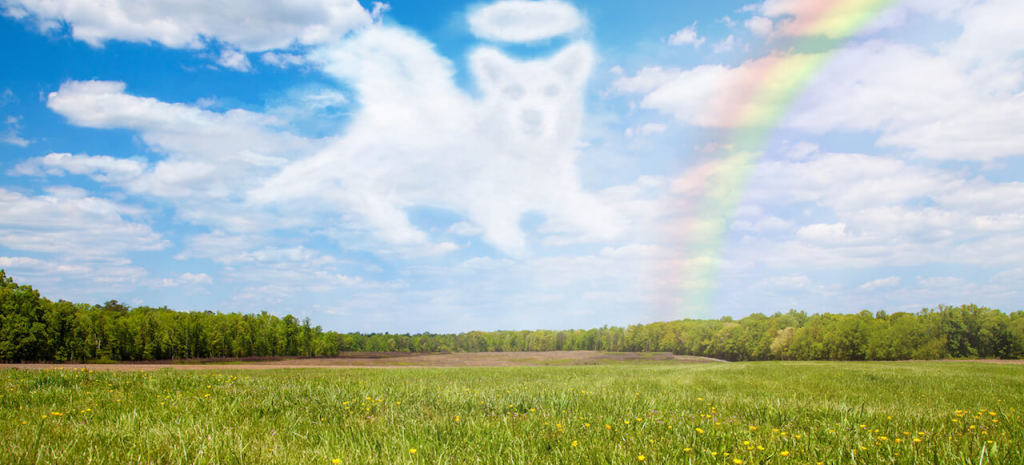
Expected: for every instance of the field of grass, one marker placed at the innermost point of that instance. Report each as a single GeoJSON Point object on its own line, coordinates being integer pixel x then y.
{"type": "Point", "coordinates": [749, 413]}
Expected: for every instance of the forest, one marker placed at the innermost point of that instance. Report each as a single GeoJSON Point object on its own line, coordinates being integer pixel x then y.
{"type": "Point", "coordinates": [35, 329]}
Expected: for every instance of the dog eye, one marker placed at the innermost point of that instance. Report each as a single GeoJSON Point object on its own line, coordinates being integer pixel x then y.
{"type": "Point", "coordinates": [552, 90]}
{"type": "Point", "coordinates": [514, 92]}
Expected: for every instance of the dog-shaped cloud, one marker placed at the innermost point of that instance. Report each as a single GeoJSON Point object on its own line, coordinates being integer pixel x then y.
{"type": "Point", "coordinates": [417, 139]}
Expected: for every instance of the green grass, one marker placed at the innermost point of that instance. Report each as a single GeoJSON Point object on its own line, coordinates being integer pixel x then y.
{"type": "Point", "coordinates": [797, 413]}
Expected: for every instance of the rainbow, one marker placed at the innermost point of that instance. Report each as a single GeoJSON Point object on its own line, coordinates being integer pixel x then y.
{"type": "Point", "coordinates": [753, 118]}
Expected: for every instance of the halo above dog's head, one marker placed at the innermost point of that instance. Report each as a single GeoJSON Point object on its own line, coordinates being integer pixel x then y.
{"type": "Point", "coordinates": [522, 21]}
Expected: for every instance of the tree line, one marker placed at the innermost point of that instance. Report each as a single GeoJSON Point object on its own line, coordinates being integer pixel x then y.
{"type": "Point", "coordinates": [33, 328]}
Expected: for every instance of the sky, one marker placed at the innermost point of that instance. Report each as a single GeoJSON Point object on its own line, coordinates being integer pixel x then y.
{"type": "Point", "coordinates": [450, 166]}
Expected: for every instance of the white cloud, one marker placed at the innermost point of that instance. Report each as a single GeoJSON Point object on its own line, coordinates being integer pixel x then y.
{"type": "Point", "coordinates": [839, 20]}
{"type": "Point", "coordinates": [69, 222]}
{"type": "Point", "coordinates": [686, 36]}
{"type": "Point", "coordinates": [186, 132]}
{"type": "Point", "coordinates": [940, 281]}
{"type": "Point", "coordinates": [28, 264]}
{"type": "Point", "coordinates": [725, 45]}
{"type": "Point", "coordinates": [886, 212]}
{"type": "Point", "coordinates": [7, 96]}
{"type": "Point", "coordinates": [269, 25]}
{"type": "Point", "coordinates": [647, 129]}
{"type": "Point", "coordinates": [100, 168]}
{"type": "Point", "coordinates": [783, 283]}
{"type": "Point", "coordinates": [632, 250]}
{"type": "Point", "coordinates": [282, 60]}
{"type": "Point", "coordinates": [234, 59]}
{"type": "Point", "coordinates": [220, 247]}
{"type": "Point", "coordinates": [891, 281]}
{"type": "Point", "coordinates": [960, 101]}
{"type": "Point", "coordinates": [759, 222]}
{"type": "Point", "coordinates": [75, 277]}
{"type": "Point", "coordinates": [211, 158]}
{"type": "Point", "coordinates": [237, 249]}
{"type": "Point", "coordinates": [759, 26]}
{"type": "Point", "coordinates": [463, 228]}
{"type": "Point", "coordinates": [271, 281]}
{"type": "Point", "coordinates": [13, 128]}
{"type": "Point", "coordinates": [524, 21]}
{"type": "Point", "coordinates": [984, 197]}
{"type": "Point", "coordinates": [1014, 276]}
{"type": "Point", "coordinates": [915, 99]}
{"type": "Point", "coordinates": [187, 279]}
{"type": "Point", "coordinates": [198, 278]}
{"type": "Point", "coordinates": [486, 263]}
{"type": "Point", "coordinates": [716, 95]}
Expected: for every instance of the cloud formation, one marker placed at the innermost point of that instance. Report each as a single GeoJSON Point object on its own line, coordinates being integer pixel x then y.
{"type": "Point", "coordinates": [70, 222]}
{"type": "Point", "coordinates": [960, 102]}
{"type": "Point", "coordinates": [524, 21]}
{"type": "Point", "coordinates": [491, 159]}
{"type": "Point", "coordinates": [686, 36]}
{"type": "Point", "coordinates": [250, 27]}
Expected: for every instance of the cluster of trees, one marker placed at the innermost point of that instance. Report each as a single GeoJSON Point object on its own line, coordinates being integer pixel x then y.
{"type": "Point", "coordinates": [33, 328]}
{"type": "Point", "coordinates": [967, 331]}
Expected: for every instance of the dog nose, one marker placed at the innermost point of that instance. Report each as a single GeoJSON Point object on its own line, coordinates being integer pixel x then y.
{"type": "Point", "coordinates": [532, 121]}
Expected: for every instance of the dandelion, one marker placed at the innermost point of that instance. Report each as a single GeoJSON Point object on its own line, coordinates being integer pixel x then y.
{"type": "Point", "coordinates": [575, 443]}
{"type": "Point", "coordinates": [412, 451]}
{"type": "Point", "coordinates": [336, 461]}
{"type": "Point", "coordinates": [641, 458]}
{"type": "Point", "coordinates": [784, 453]}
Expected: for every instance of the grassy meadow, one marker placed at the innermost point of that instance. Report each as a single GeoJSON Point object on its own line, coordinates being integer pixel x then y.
{"type": "Point", "coordinates": [750, 413]}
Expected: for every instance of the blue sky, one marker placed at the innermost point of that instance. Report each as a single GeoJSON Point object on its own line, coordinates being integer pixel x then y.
{"type": "Point", "coordinates": [449, 166]}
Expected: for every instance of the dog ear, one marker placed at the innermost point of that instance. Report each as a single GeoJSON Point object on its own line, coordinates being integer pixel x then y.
{"type": "Point", "coordinates": [574, 62]}
{"type": "Point", "coordinates": [491, 68]}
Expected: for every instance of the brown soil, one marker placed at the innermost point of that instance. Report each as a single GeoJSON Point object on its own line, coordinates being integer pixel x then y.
{"type": "Point", "coordinates": [400, 359]}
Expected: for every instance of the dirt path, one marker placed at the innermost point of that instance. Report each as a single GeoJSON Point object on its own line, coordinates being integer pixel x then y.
{"type": "Point", "coordinates": [405, 360]}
